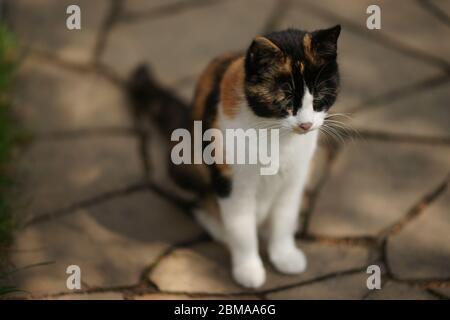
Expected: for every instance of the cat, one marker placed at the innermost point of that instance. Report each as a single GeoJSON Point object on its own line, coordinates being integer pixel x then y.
{"type": "Point", "coordinates": [286, 80]}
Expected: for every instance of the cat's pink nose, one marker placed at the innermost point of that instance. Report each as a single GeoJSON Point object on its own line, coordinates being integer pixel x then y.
{"type": "Point", "coordinates": [306, 125]}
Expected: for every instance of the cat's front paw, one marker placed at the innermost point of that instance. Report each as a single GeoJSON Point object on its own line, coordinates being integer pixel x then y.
{"type": "Point", "coordinates": [290, 261]}
{"type": "Point", "coordinates": [250, 274]}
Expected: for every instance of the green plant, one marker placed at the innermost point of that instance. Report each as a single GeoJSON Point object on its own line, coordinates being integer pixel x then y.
{"type": "Point", "coordinates": [7, 140]}
{"type": "Point", "coordinates": [7, 131]}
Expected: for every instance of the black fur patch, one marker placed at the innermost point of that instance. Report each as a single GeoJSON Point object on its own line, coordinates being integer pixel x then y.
{"type": "Point", "coordinates": [213, 97]}
{"type": "Point", "coordinates": [221, 184]}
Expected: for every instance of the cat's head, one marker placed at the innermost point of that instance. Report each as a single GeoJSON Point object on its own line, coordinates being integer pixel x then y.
{"type": "Point", "coordinates": [293, 76]}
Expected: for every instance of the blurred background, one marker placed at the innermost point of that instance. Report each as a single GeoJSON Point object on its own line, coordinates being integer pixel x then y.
{"type": "Point", "coordinates": [83, 176]}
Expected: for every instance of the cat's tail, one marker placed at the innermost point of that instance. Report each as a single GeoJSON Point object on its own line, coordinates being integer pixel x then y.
{"type": "Point", "coordinates": [168, 112]}
{"type": "Point", "coordinates": [149, 97]}
{"type": "Point", "coordinates": [141, 88]}
{"type": "Point", "coordinates": [160, 111]}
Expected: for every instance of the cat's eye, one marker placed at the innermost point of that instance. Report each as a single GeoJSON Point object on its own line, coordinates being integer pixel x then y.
{"type": "Point", "coordinates": [321, 102]}
{"type": "Point", "coordinates": [279, 100]}
{"type": "Point", "coordinates": [286, 87]}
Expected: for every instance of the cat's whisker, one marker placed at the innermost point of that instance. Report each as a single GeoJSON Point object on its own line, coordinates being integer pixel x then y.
{"type": "Point", "coordinates": [338, 114]}
{"type": "Point", "coordinates": [329, 138]}
{"type": "Point", "coordinates": [327, 135]}
{"type": "Point", "coordinates": [327, 132]}
{"type": "Point", "coordinates": [337, 124]}
{"type": "Point", "coordinates": [331, 118]}
{"type": "Point", "coordinates": [335, 133]}
{"type": "Point", "coordinates": [348, 132]}
{"type": "Point", "coordinates": [342, 131]}
{"type": "Point", "coordinates": [345, 126]}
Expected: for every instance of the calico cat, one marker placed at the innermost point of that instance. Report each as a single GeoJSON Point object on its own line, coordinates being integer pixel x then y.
{"type": "Point", "coordinates": [286, 81]}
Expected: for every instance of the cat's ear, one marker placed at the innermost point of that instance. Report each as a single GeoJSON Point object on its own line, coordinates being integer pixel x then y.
{"type": "Point", "coordinates": [262, 52]}
{"type": "Point", "coordinates": [321, 45]}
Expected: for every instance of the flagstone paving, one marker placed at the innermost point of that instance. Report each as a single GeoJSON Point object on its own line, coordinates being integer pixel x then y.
{"type": "Point", "coordinates": [423, 243]}
{"type": "Point", "coordinates": [94, 192]}
{"type": "Point", "coordinates": [80, 100]}
{"type": "Point", "coordinates": [204, 268]}
{"type": "Point", "coordinates": [60, 173]}
{"type": "Point", "coordinates": [373, 183]}
{"type": "Point", "coordinates": [347, 287]}
{"type": "Point", "coordinates": [392, 291]}
{"type": "Point", "coordinates": [40, 25]}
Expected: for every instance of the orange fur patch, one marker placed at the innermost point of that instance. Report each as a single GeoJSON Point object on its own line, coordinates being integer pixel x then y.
{"type": "Point", "coordinates": [209, 204]}
{"type": "Point", "coordinates": [309, 52]}
{"type": "Point", "coordinates": [267, 42]}
{"type": "Point", "coordinates": [232, 88]}
{"type": "Point", "coordinates": [287, 66]}
{"type": "Point", "coordinates": [204, 86]}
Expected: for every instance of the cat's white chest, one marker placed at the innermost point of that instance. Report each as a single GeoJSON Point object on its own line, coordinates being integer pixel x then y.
{"type": "Point", "coordinates": [295, 156]}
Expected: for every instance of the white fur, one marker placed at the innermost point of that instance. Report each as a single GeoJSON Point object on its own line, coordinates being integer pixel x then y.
{"type": "Point", "coordinates": [272, 200]}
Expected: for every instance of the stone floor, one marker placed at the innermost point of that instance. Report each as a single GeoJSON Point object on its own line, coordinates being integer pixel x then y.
{"type": "Point", "coordinates": [380, 197]}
